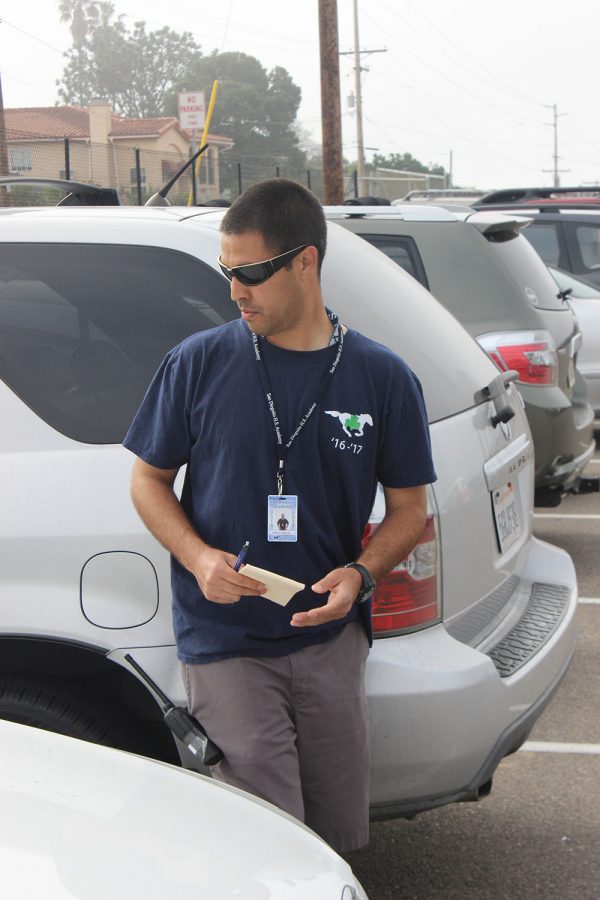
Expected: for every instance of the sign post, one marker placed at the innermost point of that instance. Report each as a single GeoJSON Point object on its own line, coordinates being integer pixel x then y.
{"type": "Point", "coordinates": [191, 113]}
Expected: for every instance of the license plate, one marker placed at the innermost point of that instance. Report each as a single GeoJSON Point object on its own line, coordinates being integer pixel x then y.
{"type": "Point", "coordinates": [506, 514]}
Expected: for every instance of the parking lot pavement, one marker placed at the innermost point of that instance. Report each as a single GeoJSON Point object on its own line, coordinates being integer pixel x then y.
{"type": "Point", "coordinates": [575, 526]}
{"type": "Point", "coordinates": [574, 714]}
{"type": "Point", "coordinates": [537, 835]}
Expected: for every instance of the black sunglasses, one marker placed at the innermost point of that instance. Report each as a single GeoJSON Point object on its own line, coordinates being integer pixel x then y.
{"type": "Point", "coordinates": [255, 273]}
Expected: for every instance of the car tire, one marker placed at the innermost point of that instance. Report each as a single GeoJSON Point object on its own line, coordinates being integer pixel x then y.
{"type": "Point", "coordinates": [55, 706]}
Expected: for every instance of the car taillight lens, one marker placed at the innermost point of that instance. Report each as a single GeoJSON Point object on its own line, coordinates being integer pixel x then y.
{"type": "Point", "coordinates": [531, 353]}
{"type": "Point", "coordinates": [408, 598]}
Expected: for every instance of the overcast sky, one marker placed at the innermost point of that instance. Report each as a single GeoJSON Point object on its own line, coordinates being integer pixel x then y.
{"type": "Point", "coordinates": [472, 78]}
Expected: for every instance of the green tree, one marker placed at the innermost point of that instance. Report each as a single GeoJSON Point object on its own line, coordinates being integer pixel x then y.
{"type": "Point", "coordinates": [86, 18]}
{"type": "Point", "coordinates": [83, 15]}
{"type": "Point", "coordinates": [256, 108]}
{"type": "Point", "coordinates": [405, 162]}
{"type": "Point", "coordinates": [132, 70]}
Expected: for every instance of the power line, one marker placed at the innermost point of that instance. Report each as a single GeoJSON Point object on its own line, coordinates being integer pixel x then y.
{"type": "Point", "coordinates": [554, 125]}
{"type": "Point", "coordinates": [586, 137]}
{"type": "Point", "coordinates": [476, 154]}
{"type": "Point", "coordinates": [227, 25]}
{"type": "Point", "coordinates": [34, 87]}
{"type": "Point", "coordinates": [445, 78]}
{"type": "Point", "coordinates": [357, 53]}
{"type": "Point", "coordinates": [479, 67]}
{"type": "Point", "coordinates": [32, 36]}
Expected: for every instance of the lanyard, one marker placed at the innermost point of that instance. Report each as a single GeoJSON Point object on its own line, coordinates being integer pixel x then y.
{"type": "Point", "coordinates": [282, 447]}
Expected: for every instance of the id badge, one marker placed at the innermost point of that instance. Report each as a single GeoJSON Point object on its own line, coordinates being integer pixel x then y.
{"type": "Point", "coordinates": [282, 520]}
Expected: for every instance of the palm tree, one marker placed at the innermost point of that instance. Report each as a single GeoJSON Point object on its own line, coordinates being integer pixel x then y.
{"type": "Point", "coordinates": [84, 16]}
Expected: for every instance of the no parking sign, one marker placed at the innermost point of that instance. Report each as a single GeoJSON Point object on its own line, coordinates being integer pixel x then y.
{"type": "Point", "coordinates": [191, 110]}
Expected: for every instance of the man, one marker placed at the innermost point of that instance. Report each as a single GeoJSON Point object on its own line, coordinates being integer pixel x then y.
{"type": "Point", "coordinates": [257, 410]}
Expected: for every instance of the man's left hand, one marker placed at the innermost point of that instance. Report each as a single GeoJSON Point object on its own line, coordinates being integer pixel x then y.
{"type": "Point", "coordinates": [343, 586]}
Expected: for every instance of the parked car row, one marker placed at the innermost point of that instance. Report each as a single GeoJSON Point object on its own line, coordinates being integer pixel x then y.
{"type": "Point", "coordinates": [564, 231]}
{"type": "Point", "coordinates": [564, 228]}
{"type": "Point", "coordinates": [584, 299]}
{"type": "Point", "coordinates": [481, 268]}
{"type": "Point", "coordinates": [474, 631]}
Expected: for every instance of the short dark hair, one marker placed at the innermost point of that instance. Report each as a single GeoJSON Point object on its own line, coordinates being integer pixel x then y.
{"type": "Point", "coordinates": [283, 212]}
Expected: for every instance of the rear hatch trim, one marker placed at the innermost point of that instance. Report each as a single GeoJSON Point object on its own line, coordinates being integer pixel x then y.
{"type": "Point", "coordinates": [508, 462]}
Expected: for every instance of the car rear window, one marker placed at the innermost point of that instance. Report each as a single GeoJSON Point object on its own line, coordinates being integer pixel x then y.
{"type": "Point", "coordinates": [545, 240]}
{"type": "Point", "coordinates": [588, 242]}
{"type": "Point", "coordinates": [528, 269]}
{"type": "Point", "coordinates": [402, 250]}
{"type": "Point", "coordinates": [380, 299]}
{"type": "Point", "coordinates": [84, 327]}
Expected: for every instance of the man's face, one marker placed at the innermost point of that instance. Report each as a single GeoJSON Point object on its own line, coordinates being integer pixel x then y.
{"type": "Point", "coordinates": [276, 305]}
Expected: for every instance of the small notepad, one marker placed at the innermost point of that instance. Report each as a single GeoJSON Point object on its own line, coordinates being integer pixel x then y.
{"type": "Point", "coordinates": [279, 588]}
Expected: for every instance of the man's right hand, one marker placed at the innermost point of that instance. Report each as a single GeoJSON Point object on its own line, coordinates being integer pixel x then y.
{"type": "Point", "coordinates": [162, 513]}
{"type": "Point", "coordinates": [218, 580]}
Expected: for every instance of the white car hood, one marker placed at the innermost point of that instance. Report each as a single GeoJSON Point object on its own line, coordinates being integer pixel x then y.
{"type": "Point", "coordinates": [83, 821]}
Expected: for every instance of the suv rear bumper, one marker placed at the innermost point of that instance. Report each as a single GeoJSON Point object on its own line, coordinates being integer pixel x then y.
{"type": "Point", "coordinates": [442, 717]}
{"type": "Point", "coordinates": [569, 471]}
{"type": "Point", "coordinates": [563, 434]}
{"type": "Point", "coordinates": [508, 742]}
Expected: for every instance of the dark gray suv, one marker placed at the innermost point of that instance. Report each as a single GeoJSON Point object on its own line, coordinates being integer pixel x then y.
{"type": "Point", "coordinates": [483, 270]}
{"type": "Point", "coordinates": [564, 228]}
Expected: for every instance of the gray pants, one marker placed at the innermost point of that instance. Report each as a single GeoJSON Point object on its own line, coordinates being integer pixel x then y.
{"type": "Point", "coordinates": [294, 731]}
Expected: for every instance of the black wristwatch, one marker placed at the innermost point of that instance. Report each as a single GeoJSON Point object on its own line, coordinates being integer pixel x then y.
{"type": "Point", "coordinates": [368, 582]}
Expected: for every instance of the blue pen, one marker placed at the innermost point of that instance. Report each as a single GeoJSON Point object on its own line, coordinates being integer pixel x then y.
{"type": "Point", "coordinates": [241, 557]}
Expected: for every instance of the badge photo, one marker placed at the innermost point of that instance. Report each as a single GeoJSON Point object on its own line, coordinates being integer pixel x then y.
{"type": "Point", "coordinates": [282, 524]}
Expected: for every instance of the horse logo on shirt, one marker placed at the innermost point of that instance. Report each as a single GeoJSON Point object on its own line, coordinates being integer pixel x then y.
{"type": "Point", "coordinates": [352, 423]}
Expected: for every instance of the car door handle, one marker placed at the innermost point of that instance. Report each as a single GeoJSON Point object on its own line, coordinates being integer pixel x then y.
{"type": "Point", "coordinates": [496, 392]}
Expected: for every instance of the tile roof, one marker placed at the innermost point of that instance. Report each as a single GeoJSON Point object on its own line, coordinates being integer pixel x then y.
{"type": "Point", "coordinates": [58, 122]}
{"type": "Point", "coordinates": [124, 127]}
{"type": "Point", "coordinates": [48, 121]}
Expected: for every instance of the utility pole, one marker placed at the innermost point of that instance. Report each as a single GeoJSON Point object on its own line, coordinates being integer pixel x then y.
{"type": "Point", "coordinates": [554, 125]}
{"type": "Point", "coordinates": [331, 113]}
{"type": "Point", "coordinates": [360, 146]}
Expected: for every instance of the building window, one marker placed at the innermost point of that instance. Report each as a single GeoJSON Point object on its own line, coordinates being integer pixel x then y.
{"type": "Point", "coordinates": [21, 159]}
{"type": "Point", "coordinates": [133, 176]}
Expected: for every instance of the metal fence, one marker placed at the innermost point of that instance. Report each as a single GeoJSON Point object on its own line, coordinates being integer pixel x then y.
{"type": "Point", "coordinates": [137, 173]}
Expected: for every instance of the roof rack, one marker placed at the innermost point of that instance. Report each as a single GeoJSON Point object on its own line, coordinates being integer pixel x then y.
{"type": "Point", "coordinates": [409, 213]}
{"type": "Point", "coordinates": [578, 194]}
{"type": "Point", "coordinates": [442, 193]}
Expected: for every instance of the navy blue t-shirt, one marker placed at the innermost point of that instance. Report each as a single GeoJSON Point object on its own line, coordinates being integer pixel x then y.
{"type": "Point", "coordinates": [206, 407]}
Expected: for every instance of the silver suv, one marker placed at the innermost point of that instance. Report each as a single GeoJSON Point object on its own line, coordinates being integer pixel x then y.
{"type": "Point", "coordinates": [485, 272]}
{"type": "Point", "coordinates": [474, 631]}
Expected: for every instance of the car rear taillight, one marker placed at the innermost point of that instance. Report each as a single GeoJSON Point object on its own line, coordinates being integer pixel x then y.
{"type": "Point", "coordinates": [408, 598]}
{"type": "Point", "coordinates": [531, 353]}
